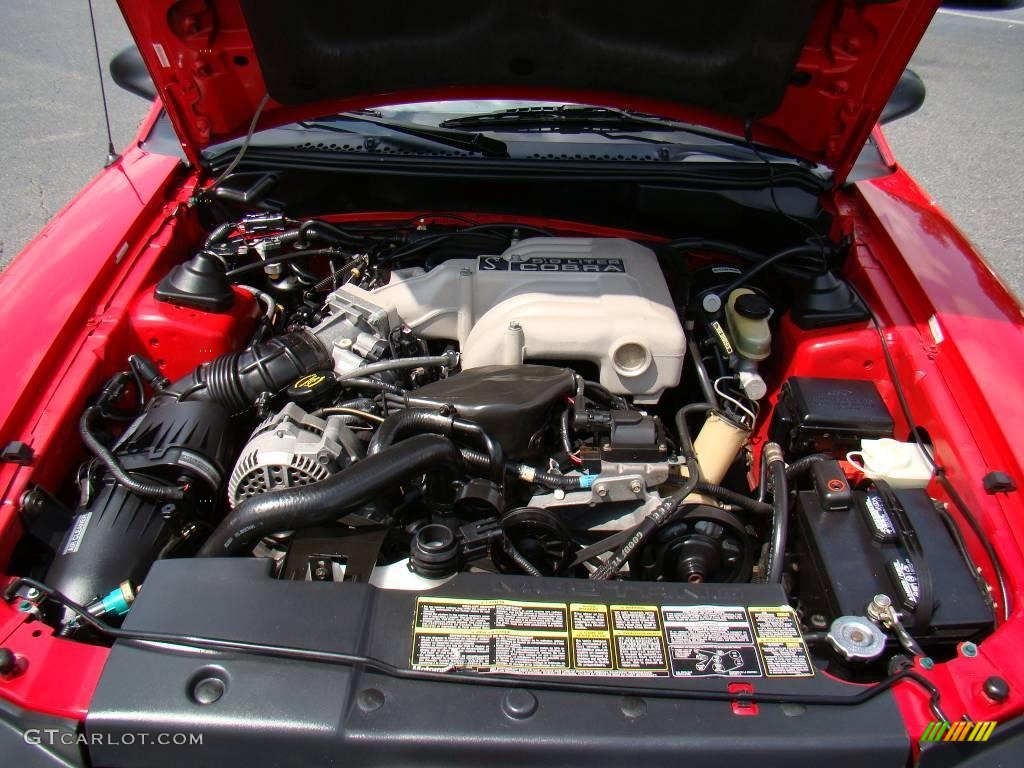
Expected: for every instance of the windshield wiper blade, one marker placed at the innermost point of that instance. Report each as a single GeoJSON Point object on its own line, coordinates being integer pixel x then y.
{"type": "Point", "coordinates": [569, 116]}
{"type": "Point", "coordinates": [469, 142]}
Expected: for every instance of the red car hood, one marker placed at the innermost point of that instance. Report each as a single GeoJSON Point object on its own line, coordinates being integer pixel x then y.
{"type": "Point", "coordinates": [810, 77]}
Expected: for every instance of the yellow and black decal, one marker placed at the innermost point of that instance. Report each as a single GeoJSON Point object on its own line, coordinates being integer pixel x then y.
{"type": "Point", "coordinates": [594, 639]}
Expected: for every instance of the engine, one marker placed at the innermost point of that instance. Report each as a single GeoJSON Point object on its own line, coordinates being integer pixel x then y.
{"type": "Point", "coordinates": [536, 409]}
{"type": "Point", "coordinates": [602, 302]}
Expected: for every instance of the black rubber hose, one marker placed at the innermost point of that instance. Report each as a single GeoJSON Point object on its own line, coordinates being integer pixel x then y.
{"type": "Point", "coordinates": [618, 558]}
{"type": "Point", "coordinates": [237, 379]}
{"type": "Point", "coordinates": [775, 258]}
{"type": "Point", "coordinates": [321, 230]}
{"type": "Point", "coordinates": [407, 422]}
{"type": "Point", "coordinates": [482, 462]}
{"type": "Point", "coordinates": [732, 497]}
{"type": "Point", "coordinates": [142, 488]}
{"type": "Point", "coordinates": [700, 244]}
{"type": "Point", "coordinates": [800, 466]}
{"type": "Point", "coordinates": [417, 420]}
{"type": "Point", "coordinates": [220, 234]}
{"type": "Point", "coordinates": [780, 520]}
{"type": "Point", "coordinates": [329, 499]}
{"type": "Point", "coordinates": [683, 429]}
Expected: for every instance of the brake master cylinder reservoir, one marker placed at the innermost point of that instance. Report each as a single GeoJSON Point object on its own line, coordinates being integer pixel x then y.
{"type": "Point", "coordinates": [747, 315]}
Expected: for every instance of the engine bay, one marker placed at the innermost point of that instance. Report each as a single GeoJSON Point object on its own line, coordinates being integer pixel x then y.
{"type": "Point", "coordinates": [445, 398]}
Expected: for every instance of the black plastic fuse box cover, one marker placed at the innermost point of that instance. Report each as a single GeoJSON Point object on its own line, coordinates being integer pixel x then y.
{"type": "Point", "coordinates": [289, 712]}
{"type": "Point", "coordinates": [848, 556]}
{"type": "Point", "coordinates": [830, 415]}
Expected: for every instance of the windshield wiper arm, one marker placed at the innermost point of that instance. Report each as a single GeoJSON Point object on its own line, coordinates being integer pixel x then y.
{"type": "Point", "coordinates": [469, 142]}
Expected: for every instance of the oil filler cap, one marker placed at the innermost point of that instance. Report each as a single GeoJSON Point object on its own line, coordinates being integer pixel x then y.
{"type": "Point", "coordinates": [856, 638]}
{"type": "Point", "coordinates": [313, 390]}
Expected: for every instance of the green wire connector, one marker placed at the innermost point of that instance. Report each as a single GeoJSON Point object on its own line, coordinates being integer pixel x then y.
{"type": "Point", "coordinates": [117, 603]}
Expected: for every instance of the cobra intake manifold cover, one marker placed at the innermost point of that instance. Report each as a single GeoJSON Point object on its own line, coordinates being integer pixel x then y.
{"type": "Point", "coordinates": [602, 300]}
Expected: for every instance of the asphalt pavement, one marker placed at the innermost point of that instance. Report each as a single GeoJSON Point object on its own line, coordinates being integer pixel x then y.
{"type": "Point", "coordinates": [966, 145]}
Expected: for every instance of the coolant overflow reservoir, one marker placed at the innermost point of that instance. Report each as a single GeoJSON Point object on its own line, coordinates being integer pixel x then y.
{"type": "Point", "coordinates": [747, 314]}
{"type": "Point", "coordinates": [902, 465]}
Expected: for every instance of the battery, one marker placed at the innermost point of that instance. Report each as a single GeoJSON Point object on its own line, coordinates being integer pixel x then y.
{"type": "Point", "coordinates": [848, 556]}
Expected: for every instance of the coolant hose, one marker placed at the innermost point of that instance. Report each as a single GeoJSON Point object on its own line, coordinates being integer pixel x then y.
{"type": "Point", "coordinates": [331, 498]}
{"type": "Point", "coordinates": [780, 512]}
{"type": "Point", "coordinates": [237, 379]}
{"type": "Point", "coordinates": [417, 420]}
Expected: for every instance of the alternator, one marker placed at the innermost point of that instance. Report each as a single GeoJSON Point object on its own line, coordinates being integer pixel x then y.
{"type": "Point", "coordinates": [290, 448]}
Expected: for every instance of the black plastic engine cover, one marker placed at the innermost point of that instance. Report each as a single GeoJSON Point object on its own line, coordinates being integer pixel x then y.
{"type": "Point", "coordinates": [512, 402]}
{"type": "Point", "coordinates": [274, 711]}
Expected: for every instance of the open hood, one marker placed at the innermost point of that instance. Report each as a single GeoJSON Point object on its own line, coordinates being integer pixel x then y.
{"type": "Point", "coordinates": [810, 77]}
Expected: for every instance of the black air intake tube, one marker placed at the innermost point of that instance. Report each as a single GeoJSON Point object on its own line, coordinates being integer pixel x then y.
{"type": "Point", "coordinates": [236, 379]}
{"type": "Point", "coordinates": [419, 420]}
{"type": "Point", "coordinates": [331, 498]}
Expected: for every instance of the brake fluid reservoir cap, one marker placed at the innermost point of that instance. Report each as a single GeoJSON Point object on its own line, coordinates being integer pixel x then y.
{"type": "Point", "coordinates": [753, 306]}
{"type": "Point", "coordinates": [856, 638]}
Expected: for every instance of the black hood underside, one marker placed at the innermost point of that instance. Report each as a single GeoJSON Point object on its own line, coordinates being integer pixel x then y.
{"type": "Point", "coordinates": [732, 58]}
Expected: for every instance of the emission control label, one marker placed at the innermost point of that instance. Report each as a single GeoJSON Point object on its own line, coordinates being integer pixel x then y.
{"type": "Point", "coordinates": [534, 638]}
